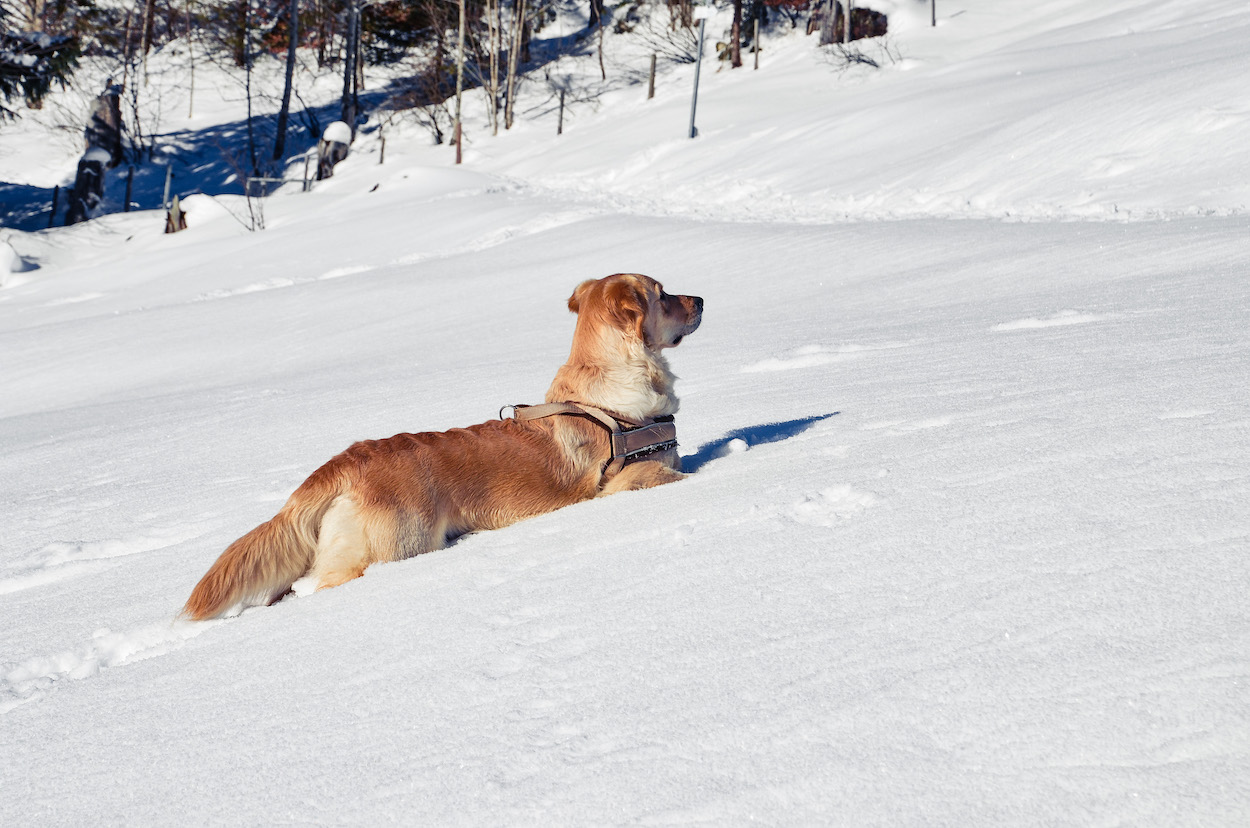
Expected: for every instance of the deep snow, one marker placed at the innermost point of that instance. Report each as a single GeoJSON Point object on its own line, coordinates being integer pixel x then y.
{"type": "Point", "coordinates": [966, 538]}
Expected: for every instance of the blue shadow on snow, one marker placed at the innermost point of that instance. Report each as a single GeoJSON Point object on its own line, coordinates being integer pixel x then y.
{"type": "Point", "coordinates": [752, 436]}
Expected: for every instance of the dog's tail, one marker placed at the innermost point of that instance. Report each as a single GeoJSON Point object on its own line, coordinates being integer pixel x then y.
{"type": "Point", "coordinates": [260, 567]}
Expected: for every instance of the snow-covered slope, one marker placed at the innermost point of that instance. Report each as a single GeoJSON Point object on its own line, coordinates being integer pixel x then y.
{"type": "Point", "coordinates": [966, 537]}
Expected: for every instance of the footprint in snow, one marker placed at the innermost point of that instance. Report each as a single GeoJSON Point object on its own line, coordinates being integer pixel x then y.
{"type": "Point", "coordinates": [831, 506]}
{"type": "Point", "coordinates": [34, 678]}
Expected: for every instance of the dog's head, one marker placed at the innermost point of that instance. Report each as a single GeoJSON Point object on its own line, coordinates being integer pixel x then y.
{"type": "Point", "coordinates": [638, 307]}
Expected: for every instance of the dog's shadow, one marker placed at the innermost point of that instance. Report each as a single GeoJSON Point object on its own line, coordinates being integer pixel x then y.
{"type": "Point", "coordinates": [752, 436]}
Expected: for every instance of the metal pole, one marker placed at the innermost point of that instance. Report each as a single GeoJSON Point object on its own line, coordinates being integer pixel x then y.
{"type": "Point", "coordinates": [169, 174]}
{"type": "Point", "coordinates": [651, 79]}
{"type": "Point", "coordinates": [933, 11]}
{"type": "Point", "coordinates": [560, 123]}
{"type": "Point", "coordinates": [694, 100]}
{"type": "Point", "coordinates": [757, 43]}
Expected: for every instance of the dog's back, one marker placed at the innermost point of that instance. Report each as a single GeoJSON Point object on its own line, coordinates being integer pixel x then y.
{"type": "Point", "coordinates": [386, 500]}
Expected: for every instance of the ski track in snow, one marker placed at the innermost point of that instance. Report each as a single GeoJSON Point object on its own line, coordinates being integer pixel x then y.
{"type": "Point", "coordinates": [68, 559]}
{"type": "Point", "coordinates": [503, 235]}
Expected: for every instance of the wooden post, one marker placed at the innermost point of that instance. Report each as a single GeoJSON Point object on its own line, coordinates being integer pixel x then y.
{"type": "Point", "coordinates": [847, 30]}
{"type": "Point", "coordinates": [651, 79]}
{"type": "Point", "coordinates": [130, 182]}
{"type": "Point", "coordinates": [175, 219]}
{"type": "Point", "coordinates": [756, 41]}
{"type": "Point", "coordinates": [56, 196]}
{"type": "Point", "coordinates": [560, 122]}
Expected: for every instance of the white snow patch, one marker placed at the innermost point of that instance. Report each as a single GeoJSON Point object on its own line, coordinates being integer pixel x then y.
{"type": "Point", "coordinates": [1065, 317]}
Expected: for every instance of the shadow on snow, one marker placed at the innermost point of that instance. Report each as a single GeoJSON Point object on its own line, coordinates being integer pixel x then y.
{"type": "Point", "coordinates": [752, 436]}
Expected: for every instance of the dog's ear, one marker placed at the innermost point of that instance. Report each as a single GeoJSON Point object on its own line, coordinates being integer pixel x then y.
{"type": "Point", "coordinates": [627, 303]}
{"type": "Point", "coordinates": [579, 293]}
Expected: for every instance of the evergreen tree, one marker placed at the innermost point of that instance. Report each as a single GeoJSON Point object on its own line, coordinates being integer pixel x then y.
{"type": "Point", "coordinates": [31, 62]}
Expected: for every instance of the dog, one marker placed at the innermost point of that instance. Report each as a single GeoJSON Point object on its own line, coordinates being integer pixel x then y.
{"type": "Point", "coordinates": [606, 427]}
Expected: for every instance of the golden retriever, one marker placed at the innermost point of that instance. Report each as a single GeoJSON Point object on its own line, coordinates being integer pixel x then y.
{"type": "Point", "coordinates": [386, 500]}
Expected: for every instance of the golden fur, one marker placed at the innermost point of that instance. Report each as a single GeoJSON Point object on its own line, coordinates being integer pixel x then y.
{"type": "Point", "coordinates": [385, 500]}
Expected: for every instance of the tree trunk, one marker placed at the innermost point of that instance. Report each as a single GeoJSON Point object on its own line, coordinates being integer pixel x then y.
{"type": "Point", "coordinates": [459, 78]}
{"type": "Point", "coordinates": [104, 129]}
{"type": "Point", "coordinates": [191, 62]}
{"type": "Point", "coordinates": [348, 109]}
{"type": "Point", "coordinates": [279, 145]}
{"type": "Point", "coordinates": [514, 54]}
{"type": "Point", "coordinates": [494, 25]}
{"type": "Point", "coordinates": [247, 74]}
{"type": "Point", "coordinates": [735, 35]}
{"type": "Point", "coordinates": [149, 9]}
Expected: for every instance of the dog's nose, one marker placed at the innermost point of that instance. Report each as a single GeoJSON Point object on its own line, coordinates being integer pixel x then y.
{"type": "Point", "coordinates": [698, 303]}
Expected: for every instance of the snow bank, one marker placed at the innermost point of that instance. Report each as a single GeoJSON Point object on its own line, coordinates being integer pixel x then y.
{"type": "Point", "coordinates": [965, 539]}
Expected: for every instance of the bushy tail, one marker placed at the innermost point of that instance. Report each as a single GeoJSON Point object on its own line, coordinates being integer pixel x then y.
{"type": "Point", "coordinates": [261, 566]}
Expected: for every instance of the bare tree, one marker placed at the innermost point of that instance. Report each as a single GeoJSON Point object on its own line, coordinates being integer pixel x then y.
{"type": "Point", "coordinates": [459, 79]}
{"type": "Point", "coordinates": [514, 55]}
{"type": "Point", "coordinates": [350, 101]}
{"type": "Point", "coordinates": [494, 23]}
{"type": "Point", "coordinates": [279, 143]}
{"type": "Point", "coordinates": [676, 41]}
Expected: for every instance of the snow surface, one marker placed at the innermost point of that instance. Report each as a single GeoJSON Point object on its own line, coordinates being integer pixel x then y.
{"type": "Point", "coordinates": [966, 536]}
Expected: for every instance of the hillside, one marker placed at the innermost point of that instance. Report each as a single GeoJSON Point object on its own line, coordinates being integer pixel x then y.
{"type": "Point", "coordinates": [965, 538]}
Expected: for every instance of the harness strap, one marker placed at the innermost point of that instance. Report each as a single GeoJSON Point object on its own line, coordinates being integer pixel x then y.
{"type": "Point", "coordinates": [628, 445]}
{"type": "Point", "coordinates": [538, 412]}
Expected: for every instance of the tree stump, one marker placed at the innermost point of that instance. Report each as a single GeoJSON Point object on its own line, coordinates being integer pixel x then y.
{"type": "Point", "coordinates": [332, 148]}
{"type": "Point", "coordinates": [104, 127]}
{"type": "Point", "coordinates": [88, 189]}
{"type": "Point", "coordinates": [175, 219]}
{"type": "Point", "coordinates": [103, 138]}
{"type": "Point", "coordinates": [864, 23]}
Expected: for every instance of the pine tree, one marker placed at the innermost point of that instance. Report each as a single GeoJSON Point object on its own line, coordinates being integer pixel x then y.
{"type": "Point", "coordinates": [31, 62]}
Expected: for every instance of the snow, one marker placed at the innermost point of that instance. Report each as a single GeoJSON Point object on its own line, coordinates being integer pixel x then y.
{"type": "Point", "coordinates": [966, 536]}
{"type": "Point", "coordinates": [96, 155]}
{"type": "Point", "coordinates": [337, 131]}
